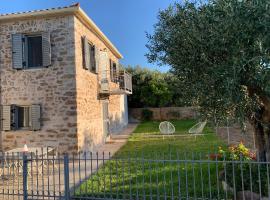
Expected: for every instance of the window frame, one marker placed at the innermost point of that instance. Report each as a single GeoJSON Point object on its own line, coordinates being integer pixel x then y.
{"type": "Point", "coordinates": [25, 51]}
{"type": "Point", "coordinates": [113, 71]}
{"type": "Point", "coordinates": [29, 117]}
{"type": "Point", "coordinates": [93, 62]}
{"type": "Point", "coordinates": [16, 126]}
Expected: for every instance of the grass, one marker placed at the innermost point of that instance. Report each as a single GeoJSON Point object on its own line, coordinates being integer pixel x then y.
{"type": "Point", "coordinates": [181, 126]}
{"type": "Point", "coordinates": [139, 145]}
{"type": "Point", "coordinates": [155, 168]}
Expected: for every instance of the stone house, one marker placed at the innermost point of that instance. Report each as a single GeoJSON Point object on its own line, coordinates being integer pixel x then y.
{"type": "Point", "coordinates": [60, 81]}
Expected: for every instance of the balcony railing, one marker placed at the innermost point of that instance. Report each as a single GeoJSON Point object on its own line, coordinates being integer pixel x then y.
{"type": "Point", "coordinates": [123, 80]}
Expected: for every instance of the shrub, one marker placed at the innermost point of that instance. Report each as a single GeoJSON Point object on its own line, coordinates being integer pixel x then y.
{"type": "Point", "coordinates": [147, 114]}
{"type": "Point", "coordinates": [244, 175]}
{"type": "Point", "coordinates": [236, 152]}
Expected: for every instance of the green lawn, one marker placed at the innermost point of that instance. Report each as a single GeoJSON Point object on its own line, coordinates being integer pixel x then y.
{"type": "Point", "coordinates": [184, 146]}
{"type": "Point", "coordinates": [181, 126]}
{"type": "Point", "coordinates": [157, 167]}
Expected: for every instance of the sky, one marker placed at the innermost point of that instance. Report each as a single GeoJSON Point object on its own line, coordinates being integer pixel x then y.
{"type": "Point", "coordinates": [124, 22]}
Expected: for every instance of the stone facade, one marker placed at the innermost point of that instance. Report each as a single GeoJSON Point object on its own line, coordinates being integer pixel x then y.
{"type": "Point", "coordinates": [71, 110]}
{"type": "Point", "coordinates": [89, 106]}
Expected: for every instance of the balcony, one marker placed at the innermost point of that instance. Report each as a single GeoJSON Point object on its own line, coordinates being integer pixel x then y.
{"type": "Point", "coordinates": [123, 80]}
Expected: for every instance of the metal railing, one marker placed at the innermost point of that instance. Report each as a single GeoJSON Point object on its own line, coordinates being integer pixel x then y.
{"type": "Point", "coordinates": [125, 81]}
{"type": "Point", "coordinates": [123, 78]}
{"type": "Point", "coordinates": [134, 176]}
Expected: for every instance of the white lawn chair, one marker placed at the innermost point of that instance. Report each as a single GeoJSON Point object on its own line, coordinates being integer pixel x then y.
{"type": "Point", "coordinates": [197, 129]}
{"type": "Point", "coordinates": [166, 128]}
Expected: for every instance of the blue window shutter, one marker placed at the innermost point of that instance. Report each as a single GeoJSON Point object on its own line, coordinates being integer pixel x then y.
{"type": "Point", "coordinates": [46, 49]}
{"type": "Point", "coordinates": [17, 51]}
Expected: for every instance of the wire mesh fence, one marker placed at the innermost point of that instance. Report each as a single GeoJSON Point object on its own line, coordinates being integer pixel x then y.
{"type": "Point", "coordinates": [100, 176]}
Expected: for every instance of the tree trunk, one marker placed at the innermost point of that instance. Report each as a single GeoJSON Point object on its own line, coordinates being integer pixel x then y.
{"type": "Point", "coordinates": [267, 143]}
{"type": "Point", "coordinates": [261, 124]}
{"type": "Point", "coordinates": [259, 135]}
{"type": "Point", "coordinates": [260, 141]}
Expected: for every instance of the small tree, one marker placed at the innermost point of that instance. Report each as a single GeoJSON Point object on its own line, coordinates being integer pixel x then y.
{"type": "Point", "coordinates": [150, 88]}
{"type": "Point", "coordinates": [220, 53]}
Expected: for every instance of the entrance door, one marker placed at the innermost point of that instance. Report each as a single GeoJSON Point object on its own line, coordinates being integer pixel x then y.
{"type": "Point", "coordinates": [105, 112]}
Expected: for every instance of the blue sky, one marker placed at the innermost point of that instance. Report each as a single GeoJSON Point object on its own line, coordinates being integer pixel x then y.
{"type": "Point", "coordinates": [123, 21]}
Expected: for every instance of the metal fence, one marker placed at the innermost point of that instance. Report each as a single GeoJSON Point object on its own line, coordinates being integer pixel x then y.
{"type": "Point", "coordinates": [157, 176]}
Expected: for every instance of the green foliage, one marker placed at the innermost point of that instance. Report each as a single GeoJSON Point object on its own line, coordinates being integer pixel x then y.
{"type": "Point", "coordinates": [219, 52]}
{"type": "Point", "coordinates": [150, 88]}
{"type": "Point", "coordinates": [243, 175]}
{"type": "Point", "coordinates": [247, 177]}
{"type": "Point", "coordinates": [147, 114]}
{"type": "Point", "coordinates": [236, 152]}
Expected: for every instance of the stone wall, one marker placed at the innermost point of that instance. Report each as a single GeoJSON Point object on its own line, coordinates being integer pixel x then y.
{"type": "Point", "coordinates": [165, 113]}
{"type": "Point", "coordinates": [118, 113]}
{"type": "Point", "coordinates": [54, 88]}
{"type": "Point", "coordinates": [89, 106]}
{"type": "Point", "coordinates": [71, 111]}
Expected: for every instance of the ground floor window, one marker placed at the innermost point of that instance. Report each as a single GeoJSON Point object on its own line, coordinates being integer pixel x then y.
{"type": "Point", "coordinates": [24, 117]}
{"type": "Point", "coordinates": [21, 117]}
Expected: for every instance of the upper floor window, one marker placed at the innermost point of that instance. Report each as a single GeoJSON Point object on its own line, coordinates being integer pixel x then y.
{"type": "Point", "coordinates": [33, 47]}
{"type": "Point", "coordinates": [113, 71]}
{"type": "Point", "coordinates": [89, 56]}
{"type": "Point", "coordinates": [31, 50]}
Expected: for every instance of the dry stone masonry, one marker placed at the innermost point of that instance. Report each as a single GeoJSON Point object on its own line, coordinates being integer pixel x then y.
{"type": "Point", "coordinates": [71, 115]}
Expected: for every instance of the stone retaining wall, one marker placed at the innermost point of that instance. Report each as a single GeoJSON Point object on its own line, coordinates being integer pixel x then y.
{"type": "Point", "coordinates": [165, 113]}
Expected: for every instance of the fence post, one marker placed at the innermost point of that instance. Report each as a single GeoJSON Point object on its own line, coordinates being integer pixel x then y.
{"type": "Point", "coordinates": [25, 173]}
{"type": "Point", "coordinates": [66, 176]}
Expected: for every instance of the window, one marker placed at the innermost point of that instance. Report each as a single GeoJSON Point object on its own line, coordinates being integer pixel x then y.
{"type": "Point", "coordinates": [31, 50]}
{"type": "Point", "coordinates": [24, 117]}
{"type": "Point", "coordinates": [33, 55]}
{"type": "Point", "coordinates": [89, 56]}
{"type": "Point", "coordinates": [19, 117]}
{"type": "Point", "coordinates": [92, 57]}
{"type": "Point", "coordinates": [113, 71]}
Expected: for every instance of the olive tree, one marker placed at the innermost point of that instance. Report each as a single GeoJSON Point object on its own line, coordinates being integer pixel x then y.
{"type": "Point", "coordinates": [219, 51]}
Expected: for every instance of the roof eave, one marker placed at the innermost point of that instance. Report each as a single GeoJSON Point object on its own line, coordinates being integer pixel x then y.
{"type": "Point", "coordinates": [83, 16]}
{"type": "Point", "coordinates": [26, 15]}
